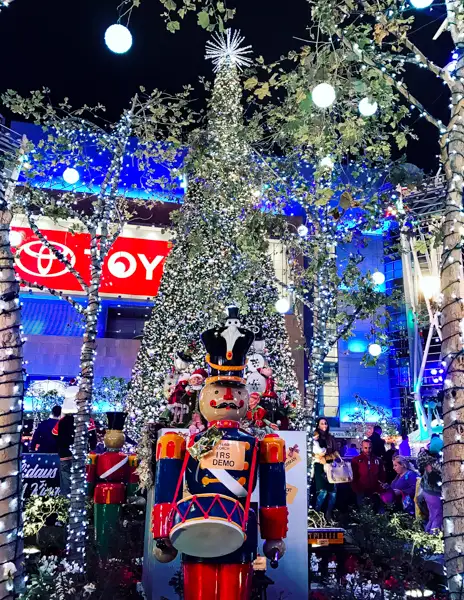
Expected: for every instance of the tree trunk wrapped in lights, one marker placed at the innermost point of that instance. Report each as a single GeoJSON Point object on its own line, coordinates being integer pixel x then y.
{"type": "Point", "coordinates": [11, 387]}
{"type": "Point", "coordinates": [219, 254]}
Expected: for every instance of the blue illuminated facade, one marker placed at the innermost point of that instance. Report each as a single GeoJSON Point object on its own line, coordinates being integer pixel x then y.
{"type": "Point", "coordinates": [54, 328]}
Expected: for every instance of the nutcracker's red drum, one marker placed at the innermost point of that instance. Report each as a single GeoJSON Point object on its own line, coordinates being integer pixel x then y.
{"type": "Point", "coordinates": [208, 525]}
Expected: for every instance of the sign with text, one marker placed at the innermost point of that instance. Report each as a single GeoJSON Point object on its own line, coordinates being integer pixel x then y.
{"type": "Point", "coordinates": [225, 455]}
{"type": "Point", "coordinates": [40, 474]}
{"type": "Point", "coordinates": [133, 267]}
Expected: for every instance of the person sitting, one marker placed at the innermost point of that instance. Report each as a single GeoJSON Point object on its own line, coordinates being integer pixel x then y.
{"type": "Point", "coordinates": [351, 451]}
{"type": "Point", "coordinates": [43, 440]}
{"type": "Point", "coordinates": [402, 490]}
{"type": "Point", "coordinates": [368, 473]}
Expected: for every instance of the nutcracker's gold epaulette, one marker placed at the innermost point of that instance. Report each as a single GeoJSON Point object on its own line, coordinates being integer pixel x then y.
{"type": "Point", "coordinates": [170, 445]}
{"type": "Point", "coordinates": [92, 458]}
{"type": "Point", "coordinates": [133, 460]}
{"type": "Point", "coordinates": [271, 449]}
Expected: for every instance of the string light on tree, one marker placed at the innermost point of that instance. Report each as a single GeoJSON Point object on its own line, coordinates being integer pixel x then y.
{"type": "Point", "coordinates": [118, 38]}
{"type": "Point", "coordinates": [71, 175]}
{"type": "Point", "coordinates": [323, 95]}
{"type": "Point", "coordinates": [367, 108]}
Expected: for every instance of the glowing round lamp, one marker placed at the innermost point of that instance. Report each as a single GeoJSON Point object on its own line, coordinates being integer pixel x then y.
{"type": "Point", "coordinates": [323, 95]}
{"type": "Point", "coordinates": [421, 3]}
{"type": "Point", "coordinates": [326, 163]}
{"type": "Point", "coordinates": [367, 108]}
{"type": "Point", "coordinates": [375, 349]}
{"type": "Point", "coordinates": [430, 286]}
{"type": "Point", "coordinates": [378, 278]}
{"type": "Point", "coordinates": [118, 38]}
{"type": "Point", "coordinates": [302, 231]}
{"type": "Point", "coordinates": [282, 305]}
{"type": "Point", "coordinates": [16, 238]}
{"type": "Point", "coordinates": [71, 175]}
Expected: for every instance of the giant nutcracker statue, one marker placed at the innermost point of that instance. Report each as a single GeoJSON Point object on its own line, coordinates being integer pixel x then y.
{"type": "Point", "coordinates": [114, 478]}
{"type": "Point", "coordinates": [212, 523]}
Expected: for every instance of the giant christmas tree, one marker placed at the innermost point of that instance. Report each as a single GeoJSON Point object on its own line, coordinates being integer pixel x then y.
{"type": "Point", "coordinates": [219, 256]}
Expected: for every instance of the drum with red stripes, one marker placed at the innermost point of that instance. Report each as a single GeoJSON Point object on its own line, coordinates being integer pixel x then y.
{"type": "Point", "coordinates": [208, 525]}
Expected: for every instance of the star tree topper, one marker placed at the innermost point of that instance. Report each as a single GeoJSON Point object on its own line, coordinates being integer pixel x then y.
{"type": "Point", "coordinates": [227, 48]}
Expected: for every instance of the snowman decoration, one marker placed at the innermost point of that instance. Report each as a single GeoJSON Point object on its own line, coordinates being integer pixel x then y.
{"type": "Point", "coordinates": [180, 371]}
{"type": "Point", "coordinates": [255, 381]}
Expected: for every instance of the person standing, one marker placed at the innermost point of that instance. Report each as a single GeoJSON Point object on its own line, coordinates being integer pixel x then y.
{"type": "Point", "coordinates": [378, 444]}
{"type": "Point", "coordinates": [43, 439]}
{"type": "Point", "coordinates": [325, 451]}
{"type": "Point", "coordinates": [429, 465]}
{"type": "Point", "coordinates": [351, 451]}
{"type": "Point", "coordinates": [405, 448]}
{"type": "Point", "coordinates": [388, 460]}
{"type": "Point", "coordinates": [368, 473]}
{"type": "Point", "coordinates": [64, 431]}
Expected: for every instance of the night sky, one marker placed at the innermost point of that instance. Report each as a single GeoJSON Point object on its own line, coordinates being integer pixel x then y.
{"type": "Point", "coordinates": [59, 44]}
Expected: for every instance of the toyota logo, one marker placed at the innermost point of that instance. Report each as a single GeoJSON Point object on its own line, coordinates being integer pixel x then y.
{"type": "Point", "coordinates": [43, 259]}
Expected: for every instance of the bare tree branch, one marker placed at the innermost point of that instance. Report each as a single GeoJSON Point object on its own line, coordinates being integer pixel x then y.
{"type": "Point", "coordinates": [59, 255]}
{"type": "Point", "coordinates": [80, 309]}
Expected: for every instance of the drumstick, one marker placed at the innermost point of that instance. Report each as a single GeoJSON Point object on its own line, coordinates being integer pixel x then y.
{"type": "Point", "coordinates": [207, 480]}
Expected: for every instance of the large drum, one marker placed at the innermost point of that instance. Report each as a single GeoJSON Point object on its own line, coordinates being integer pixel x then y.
{"type": "Point", "coordinates": [208, 525]}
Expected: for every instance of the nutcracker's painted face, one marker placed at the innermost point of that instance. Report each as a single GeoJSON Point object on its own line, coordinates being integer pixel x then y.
{"type": "Point", "coordinates": [219, 402]}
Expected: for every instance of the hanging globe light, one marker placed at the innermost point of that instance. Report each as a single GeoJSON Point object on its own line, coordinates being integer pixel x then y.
{"type": "Point", "coordinates": [118, 38]}
{"type": "Point", "coordinates": [421, 3]}
{"type": "Point", "coordinates": [367, 108]}
{"type": "Point", "coordinates": [16, 238]}
{"type": "Point", "coordinates": [378, 278]}
{"type": "Point", "coordinates": [375, 349]}
{"type": "Point", "coordinates": [302, 231]}
{"type": "Point", "coordinates": [71, 175]}
{"type": "Point", "coordinates": [323, 95]}
{"type": "Point", "coordinates": [326, 163]}
{"type": "Point", "coordinates": [282, 305]}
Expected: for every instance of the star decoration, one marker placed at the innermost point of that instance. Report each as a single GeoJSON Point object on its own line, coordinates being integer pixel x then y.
{"type": "Point", "coordinates": [227, 49]}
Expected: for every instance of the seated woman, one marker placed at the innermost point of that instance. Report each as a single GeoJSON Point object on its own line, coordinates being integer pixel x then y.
{"type": "Point", "coordinates": [402, 489]}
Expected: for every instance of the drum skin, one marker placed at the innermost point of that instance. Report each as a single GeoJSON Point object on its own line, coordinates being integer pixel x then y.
{"type": "Point", "coordinates": [208, 525]}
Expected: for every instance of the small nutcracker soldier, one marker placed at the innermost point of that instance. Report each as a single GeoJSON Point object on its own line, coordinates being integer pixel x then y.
{"type": "Point", "coordinates": [214, 525]}
{"type": "Point", "coordinates": [113, 477]}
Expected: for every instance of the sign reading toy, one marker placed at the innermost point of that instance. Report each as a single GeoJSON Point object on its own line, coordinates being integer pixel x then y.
{"type": "Point", "coordinates": [133, 267]}
{"type": "Point", "coordinates": [40, 474]}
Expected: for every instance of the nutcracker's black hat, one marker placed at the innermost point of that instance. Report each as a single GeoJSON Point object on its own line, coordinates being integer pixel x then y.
{"type": "Point", "coordinates": [227, 348]}
{"type": "Point", "coordinates": [116, 420]}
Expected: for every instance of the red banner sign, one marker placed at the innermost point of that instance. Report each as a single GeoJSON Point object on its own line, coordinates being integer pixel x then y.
{"type": "Point", "coordinates": [133, 267]}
